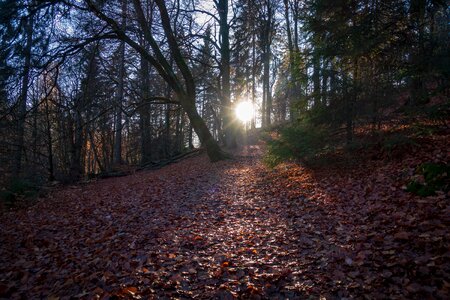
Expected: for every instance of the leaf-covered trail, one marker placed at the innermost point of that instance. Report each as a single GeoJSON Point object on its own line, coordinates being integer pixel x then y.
{"type": "Point", "coordinates": [224, 230]}
{"type": "Point", "coordinates": [192, 229]}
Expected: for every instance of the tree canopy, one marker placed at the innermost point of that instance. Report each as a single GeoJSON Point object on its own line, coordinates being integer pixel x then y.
{"type": "Point", "coordinates": [87, 86]}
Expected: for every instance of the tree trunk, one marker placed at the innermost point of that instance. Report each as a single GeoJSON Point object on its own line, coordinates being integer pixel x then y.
{"type": "Point", "coordinates": [418, 9]}
{"type": "Point", "coordinates": [291, 81]}
{"type": "Point", "coordinates": [333, 89]}
{"type": "Point", "coordinates": [95, 152]}
{"type": "Point", "coordinates": [51, 175]}
{"type": "Point", "coordinates": [324, 86]}
{"type": "Point", "coordinates": [296, 19]}
{"type": "Point", "coordinates": [190, 140]}
{"type": "Point", "coordinates": [120, 92]}
{"type": "Point", "coordinates": [23, 99]}
{"type": "Point", "coordinates": [184, 89]}
{"type": "Point", "coordinates": [266, 41]}
{"type": "Point", "coordinates": [180, 130]}
{"type": "Point", "coordinates": [144, 111]}
{"type": "Point", "coordinates": [77, 145]}
{"type": "Point", "coordinates": [254, 77]}
{"type": "Point", "coordinates": [227, 113]}
{"type": "Point", "coordinates": [76, 170]}
{"type": "Point", "coordinates": [187, 97]}
{"type": "Point", "coordinates": [316, 79]}
{"type": "Point", "coordinates": [34, 134]}
{"type": "Point", "coordinates": [264, 97]}
{"type": "Point", "coordinates": [266, 79]}
{"type": "Point", "coordinates": [352, 101]}
{"type": "Point", "coordinates": [212, 148]}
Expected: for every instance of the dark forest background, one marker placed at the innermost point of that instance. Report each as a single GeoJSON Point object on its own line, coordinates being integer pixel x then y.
{"type": "Point", "coordinates": [88, 87]}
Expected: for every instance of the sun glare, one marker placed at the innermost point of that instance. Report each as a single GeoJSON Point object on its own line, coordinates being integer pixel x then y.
{"type": "Point", "coordinates": [244, 111]}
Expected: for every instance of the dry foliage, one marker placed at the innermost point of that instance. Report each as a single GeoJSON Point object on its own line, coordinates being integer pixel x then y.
{"type": "Point", "coordinates": [235, 229]}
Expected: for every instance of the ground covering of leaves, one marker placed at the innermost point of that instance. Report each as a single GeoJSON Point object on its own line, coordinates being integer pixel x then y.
{"type": "Point", "coordinates": [235, 229]}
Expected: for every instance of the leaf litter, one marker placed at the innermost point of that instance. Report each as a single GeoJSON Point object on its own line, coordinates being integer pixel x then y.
{"type": "Point", "coordinates": [232, 229]}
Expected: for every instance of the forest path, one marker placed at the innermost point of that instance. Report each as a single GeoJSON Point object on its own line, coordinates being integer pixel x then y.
{"type": "Point", "coordinates": [192, 229]}
{"type": "Point", "coordinates": [225, 230]}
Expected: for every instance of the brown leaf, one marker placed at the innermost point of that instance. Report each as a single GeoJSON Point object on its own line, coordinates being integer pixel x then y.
{"type": "Point", "coordinates": [130, 290]}
{"type": "Point", "coordinates": [402, 235]}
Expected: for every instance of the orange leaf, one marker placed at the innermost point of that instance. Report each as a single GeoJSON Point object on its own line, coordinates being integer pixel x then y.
{"type": "Point", "coordinates": [130, 290]}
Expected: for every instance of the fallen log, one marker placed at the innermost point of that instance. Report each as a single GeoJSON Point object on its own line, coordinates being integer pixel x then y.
{"type": "Point", "coordinates": [155, 165]}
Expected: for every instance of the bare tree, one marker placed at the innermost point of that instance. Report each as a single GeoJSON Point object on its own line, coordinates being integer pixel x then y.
{"type": "Point", "coordinates": [184, 87]}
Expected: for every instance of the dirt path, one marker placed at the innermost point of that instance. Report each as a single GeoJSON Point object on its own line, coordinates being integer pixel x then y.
{"type": "Point", "coordinates": [195, 230]}
{"type": "Point", "coordinates": [192, 229]}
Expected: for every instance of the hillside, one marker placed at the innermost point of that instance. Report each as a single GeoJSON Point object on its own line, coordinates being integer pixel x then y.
{"type": "Point", "coordinates": [237, 229]}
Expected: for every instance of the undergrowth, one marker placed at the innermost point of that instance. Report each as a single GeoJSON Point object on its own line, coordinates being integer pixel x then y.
{"type": "Point", "coordinates": [301, 141]}
{"type": "Point", "coordinates": [17, 191]}
{"type": "Point", "coordinates": [312, 144]}
{"type": "Point", "coordinates": [430, 177]}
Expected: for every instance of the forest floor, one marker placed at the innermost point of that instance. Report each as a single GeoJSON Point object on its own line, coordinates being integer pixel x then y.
{"type": "Point", "coordinates": [235, 229]}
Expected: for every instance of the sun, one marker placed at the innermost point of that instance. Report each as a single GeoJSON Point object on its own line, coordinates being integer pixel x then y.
{"type": "Point", "coordinates": [244, 111]}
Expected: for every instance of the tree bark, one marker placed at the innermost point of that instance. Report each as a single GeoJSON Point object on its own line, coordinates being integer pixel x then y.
{"type": "Point", "coordinates": [51, 175]}
{"type": "Point", "coordinates": [120, 93]}
{"type": "Point", "coordinates": [417, 12]}
{"type": "Point", "coordinates": [266, 87]}
{"type": "Point", "coordinates": [266, 41]}
{"type": "Point", "coordinates": [316, 79]}
{"type": "Point", "coordinates": [254, 78]}
{"type": "Point", "coordinates": [227, 112]}
{"type": "Point", "coordinates": [296, 19]}
{"type": "Point", "coordinates": [352, 101]}
{"type": "Point", "coordinates": [144, 111]}
{"type": "Point", "coordinates": [76, 147]}
{"type": "Point", "coordinates": [23, 99]}
{"type": "Point", "coordinates": [292, 81]}
{"type": "Point", "coordinates": [76, 170]}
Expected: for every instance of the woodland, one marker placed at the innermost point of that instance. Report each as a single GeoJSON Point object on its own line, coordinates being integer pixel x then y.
{"type": "Point", "coordinates": [224, 149]}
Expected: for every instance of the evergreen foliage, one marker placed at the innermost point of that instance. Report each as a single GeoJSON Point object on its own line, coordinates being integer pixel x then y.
{"type": "Point", "coordinates": [433, 177]}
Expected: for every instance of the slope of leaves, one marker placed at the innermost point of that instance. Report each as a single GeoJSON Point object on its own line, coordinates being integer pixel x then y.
{"type": "Point", "coordinates": [383, 242]}
{"type": "Point", "coordinates": [234, 229]}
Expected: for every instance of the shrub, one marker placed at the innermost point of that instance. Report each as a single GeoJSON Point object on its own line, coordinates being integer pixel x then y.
{"type": "Point", "coordinates": [17, 189]}
{"type": "Point", "coordinates": [439, 113]}
{"type": "Point", "coordinates": [397, 141]}
{"type": "Point", "coordinates": [430, 177]}
{"type": "Point", "coordinates": [300, 141]}
{"type": "Point", "coordinates": [8, 198]}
